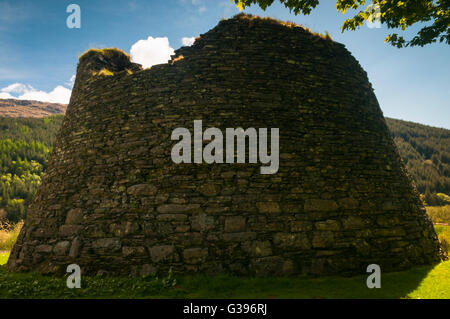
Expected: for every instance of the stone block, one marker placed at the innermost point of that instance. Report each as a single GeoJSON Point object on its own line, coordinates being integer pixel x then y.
{"type": "Point", "coordinates": [258, 248]}
{"type": "Point", "coordinates": [208, 190]}
{"type": "Point", "coordinates": [348, 203]}
{"type": "Point", "coordinates": [171, 217]}
{"type": "Point", "coordinates": [44, 249]}
{"type": "Point", "coordinates": [239, 237]}
{"type": "Point", "coordinates": [162, 253]}
{"type": "Point", "coordinates": [202, 222]}
{"type": "Point", "coordinates": [234, 224]}
{"type": "Point", "coordinates": [323, 239]}
{"type": "Point", "coordinates": [291, 241]}
{"type": "Point", "coordinates": [327, 225]}
{"type": "Point", "coordinates": [268, 207]}
{"type": "Point", "coordinates": [74, 216]}
{"type": "Point", "coordinates": [69, 230]}
{"type": "Point", "coordinates": [352, 222]}
{"type": "Point", "coordinates": [267, 266]}
{"type": "Point", "coordinates": [387, 221]}
{"type": "Point", "coordinates": [61, 248]}
{"type": "Point", "coordinates": [320, 205]}
{"type": "Point", "coordinates": [195, 255]}
{"type": "Point", "coordinates": [148, 270]}
{"type": "Point", "coordinates": [300, 225]}
{"type": "Point", "coordinates": [75, 248]}
{"type": "Point", "coordinates": [177, 208]}
{"type": "Point", "coordinates": [107, 244]}
{"type": "Point", "coordinates": [141, 190]}
{"type": "Point", "coordinates": [133, 251]}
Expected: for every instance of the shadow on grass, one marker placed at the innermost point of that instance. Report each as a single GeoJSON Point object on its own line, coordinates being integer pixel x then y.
{"type": "Point", "coordinates": [419, 282]}
{"type": "Point", "coordinates": [393, 285]}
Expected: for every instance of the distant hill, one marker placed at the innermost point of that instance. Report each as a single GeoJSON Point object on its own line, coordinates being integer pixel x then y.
{"type": "Point", "coordinates": [24, 108]}
{"type": "Point", "coordinates": [426, 153]}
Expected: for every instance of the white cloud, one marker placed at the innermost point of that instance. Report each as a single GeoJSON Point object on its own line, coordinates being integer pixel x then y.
{"type": "Point", "coordinates": [201, 9]}
{"type": "Point", "coordinates": [71, 81]}
{"type": "Point", "coordinates": [59, 94]}
{"type": "Point", "coordinates": [17, 88]}
{"type": "Point", "coordinates": [6, 96]}
{"type": "Point", "coordinates": [188, 41]}
{"type": "Point", "coordinates": [151, 51]}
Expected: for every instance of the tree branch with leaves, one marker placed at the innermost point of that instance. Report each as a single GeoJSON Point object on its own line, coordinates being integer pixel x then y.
{"type": "Point", "coordinates": [392, 13]}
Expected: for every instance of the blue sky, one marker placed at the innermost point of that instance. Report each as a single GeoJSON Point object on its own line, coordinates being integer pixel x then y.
{"type": "Point", "coordinates": [39, 53]}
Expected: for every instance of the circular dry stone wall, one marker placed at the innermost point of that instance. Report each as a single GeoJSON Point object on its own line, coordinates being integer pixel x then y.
{"type": "Point", "coordinates": [114, 201]}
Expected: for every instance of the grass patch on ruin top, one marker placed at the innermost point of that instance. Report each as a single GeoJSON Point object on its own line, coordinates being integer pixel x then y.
{"type": "Point", "coordinates": [110, 53]}
{"type": "Point", "coordinates": [288, 24]}
{"type": "Point", "coordinates": [419, 282]}
{"type": "Point", "coordinates": [104, 72]}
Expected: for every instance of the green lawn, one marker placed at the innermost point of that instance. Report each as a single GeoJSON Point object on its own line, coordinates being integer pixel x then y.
{"type": "Point", "coordinates": [4, 257]}
{"type": "Point", "coordinates": [439, 214]}
{"type": "Point", "coordinates": [419, 282]}
{"type": "Point", "coordinates": [443, 233]}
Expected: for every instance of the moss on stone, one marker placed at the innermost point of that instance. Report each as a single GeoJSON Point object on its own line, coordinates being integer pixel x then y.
{"type": "Point", "coordinates": [288, 24]}
{"type": "Point", "coordinates": [108, 53]}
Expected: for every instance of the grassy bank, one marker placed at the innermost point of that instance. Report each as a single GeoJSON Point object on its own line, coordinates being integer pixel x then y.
{"type": "Point", "coordinates": [419, 282]}
{"type": "Point", "coordinates": [443, 233]}
{"type": "Point", "coordinates": [8, 235]}
{"type": "Point", "coordinates": [4, 255]}
{"type": "Point", "coordinates": [439, 214]}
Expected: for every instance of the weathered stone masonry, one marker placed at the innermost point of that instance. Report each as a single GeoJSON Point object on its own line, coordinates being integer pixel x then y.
{"type": "Point", "coordinates": [113, 201]}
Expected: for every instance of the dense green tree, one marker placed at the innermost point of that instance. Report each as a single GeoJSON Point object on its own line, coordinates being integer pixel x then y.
{"type": "Point", "coordinates": [426, 153]}
{"type": "Point", "coordinates": [25, 146]}
{"type": "Point", "coordinates": [392, 13]}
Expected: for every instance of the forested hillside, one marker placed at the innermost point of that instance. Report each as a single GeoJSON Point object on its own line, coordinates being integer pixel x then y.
{"type": "Point", "coordinates": [26, 143]}
{"type": "Point", "coordinates": [25, 146]}
{"type": "Point", "coordinates": [426, 152]}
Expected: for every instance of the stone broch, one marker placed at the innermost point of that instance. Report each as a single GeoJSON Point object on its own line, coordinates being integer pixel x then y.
{"type": "Point", "coordinates": [112, 200]}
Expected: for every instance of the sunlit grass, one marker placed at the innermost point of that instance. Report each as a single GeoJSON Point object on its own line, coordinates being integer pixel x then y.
{"type": "Point", "coordinates": [443, 233]}
{"type": "Point", "coordinates": [4, 255]}
{"type": "Point", "coordinates": [439, 214]}
{"type": "Point", "coordinates": [435, 285]}
{"type": "Point", "coordinates": [423, 282]}
{"type": "Point", "coordinates": [419, 282]}
{"type": "Point", "coordinates": [8, 235]}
